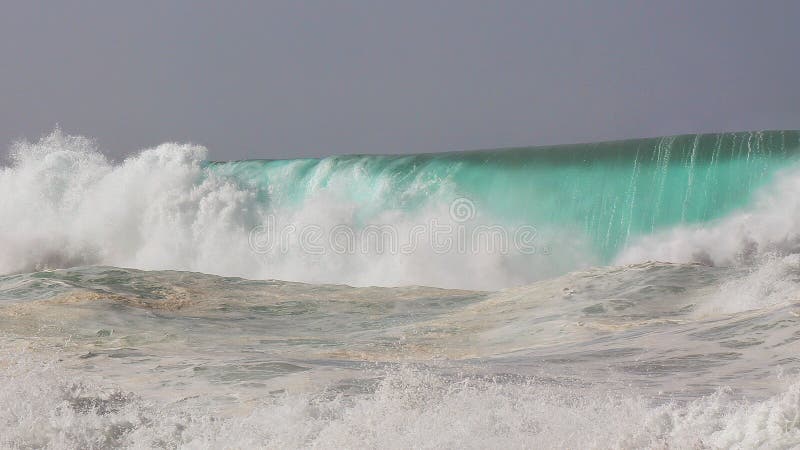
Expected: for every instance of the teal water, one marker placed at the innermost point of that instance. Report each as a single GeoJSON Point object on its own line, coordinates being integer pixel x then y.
{"type": "Point", "coordinates": [609, 192]}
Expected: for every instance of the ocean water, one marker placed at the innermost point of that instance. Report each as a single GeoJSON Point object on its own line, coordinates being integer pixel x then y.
{"type": "Point", "coordinates": [632, 294]}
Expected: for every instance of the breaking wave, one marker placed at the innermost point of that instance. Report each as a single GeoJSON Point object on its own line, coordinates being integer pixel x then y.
{"type": "Point", "coordinates": [717, 199]}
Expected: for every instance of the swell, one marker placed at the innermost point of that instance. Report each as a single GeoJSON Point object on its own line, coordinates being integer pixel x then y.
{"type": "Point", "coordinates": [65, 204]}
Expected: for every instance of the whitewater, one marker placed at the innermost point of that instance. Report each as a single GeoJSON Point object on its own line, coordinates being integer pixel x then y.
{"type": "Point", "coordinates": [629, 294]}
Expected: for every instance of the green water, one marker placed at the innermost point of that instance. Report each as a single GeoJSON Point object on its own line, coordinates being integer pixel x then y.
{"type": "Point", "coordinates": [608, 192]}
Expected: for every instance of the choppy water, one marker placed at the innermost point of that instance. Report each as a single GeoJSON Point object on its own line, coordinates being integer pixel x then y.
{"type": "Point", "coordinates": [646, 355]}
{"type": "Point", "coordinates": [584, 342]}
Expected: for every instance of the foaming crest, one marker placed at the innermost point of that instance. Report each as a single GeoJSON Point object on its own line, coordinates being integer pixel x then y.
{"type": "Point", "coordinates": [64, 204]}
{"type": "Point", "coordinates": [756, 234]}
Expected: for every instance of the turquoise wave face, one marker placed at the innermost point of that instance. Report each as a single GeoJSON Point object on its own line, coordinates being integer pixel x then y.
{"type": "Point", "coordinates": [609, 192]}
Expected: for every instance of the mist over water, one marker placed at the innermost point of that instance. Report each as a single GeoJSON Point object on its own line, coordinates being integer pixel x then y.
{"type": "Point", "coordinates": [628, 294]}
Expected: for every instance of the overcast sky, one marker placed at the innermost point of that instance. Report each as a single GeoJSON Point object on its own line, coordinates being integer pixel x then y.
{"type": "Point", "coordinates": [278, 79]}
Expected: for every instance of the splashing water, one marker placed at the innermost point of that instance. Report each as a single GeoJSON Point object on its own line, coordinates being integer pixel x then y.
{"type": "Point", "coordinates": [110, 335]}
{"type": "Point", "coordinates": [704, 197]}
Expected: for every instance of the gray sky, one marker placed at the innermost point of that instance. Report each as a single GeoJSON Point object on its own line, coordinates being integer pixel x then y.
{"type": "Point", "coordinates": [297, 78]}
